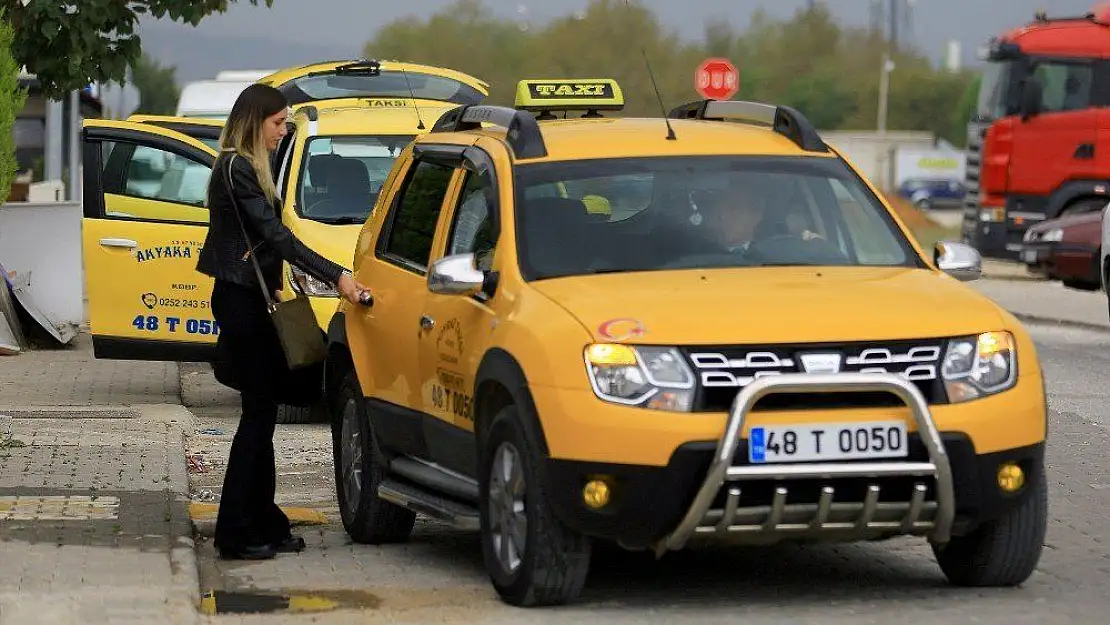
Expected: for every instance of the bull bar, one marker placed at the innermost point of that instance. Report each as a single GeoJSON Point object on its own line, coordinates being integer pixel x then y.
{"type": "Point", "coordinates": [853, 519]}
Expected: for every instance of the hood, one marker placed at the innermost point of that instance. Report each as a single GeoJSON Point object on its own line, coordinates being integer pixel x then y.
{"type": "Point", "coordinates": [1069, 221]}
{"type": "Point", "coordinates": [774, 305]}
{"type": "Point", "coordinates": [336, 243]}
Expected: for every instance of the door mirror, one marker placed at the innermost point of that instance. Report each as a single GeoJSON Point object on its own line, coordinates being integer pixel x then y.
{"type": "Point", "coordinates": [456, 275]}
{"type": "Point", "coordinates": [1031, 96]}
{"type": "Point", "coordinates": [959, 260]}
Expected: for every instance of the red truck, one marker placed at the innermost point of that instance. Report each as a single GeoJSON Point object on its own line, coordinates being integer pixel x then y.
{"type": "Point", "coordinates": [1039, 141]}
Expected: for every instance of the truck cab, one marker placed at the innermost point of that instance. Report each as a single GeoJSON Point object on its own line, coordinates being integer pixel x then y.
{"type": "Point", "coordinates": [1037, 141]}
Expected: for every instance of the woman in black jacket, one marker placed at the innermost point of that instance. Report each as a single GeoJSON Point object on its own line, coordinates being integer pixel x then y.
{"type": "Point", "coordinates": [250, 525]}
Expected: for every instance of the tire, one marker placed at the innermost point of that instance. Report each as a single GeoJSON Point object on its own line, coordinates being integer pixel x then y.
{"type": "Point", "coordinates": [317, 413]}
{"type": "Point", "coordinates": [367, 518]}
{"type": "Point", "coordinates": [555, 562]}
{"type": "Point", "coordinates": [1003, 552]}
{"type": "Point", "coordinates": [1080, 285]}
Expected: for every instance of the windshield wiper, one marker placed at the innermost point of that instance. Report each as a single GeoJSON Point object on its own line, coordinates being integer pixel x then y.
{"type": "Point", "coordinates": [340, 221]}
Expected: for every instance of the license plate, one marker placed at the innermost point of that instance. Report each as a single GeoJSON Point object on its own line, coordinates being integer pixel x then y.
{"type": "Point", "coordinates": [827, 442]}
{"type": "Point", "coordinates": [1029, 256]}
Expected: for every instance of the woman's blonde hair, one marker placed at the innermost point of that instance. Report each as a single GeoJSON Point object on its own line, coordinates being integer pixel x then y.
{"type": "Point", "coordinates": [243, 134]}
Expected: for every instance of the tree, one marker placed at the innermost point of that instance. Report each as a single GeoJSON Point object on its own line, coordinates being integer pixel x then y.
{"type": "Point", "coordinates": [73, 43]}
{"type": "Point", "coordinates": [158, 92]}
{"type": "Point", "coordinates": [11, 101]}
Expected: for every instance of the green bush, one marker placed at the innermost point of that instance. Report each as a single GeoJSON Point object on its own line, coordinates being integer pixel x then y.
{"type": "Point", "coordinates": [11, 101]}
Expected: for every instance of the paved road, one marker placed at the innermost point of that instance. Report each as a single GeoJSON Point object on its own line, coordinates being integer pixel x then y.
{"type": "Point", "coordinates": [438, 576]}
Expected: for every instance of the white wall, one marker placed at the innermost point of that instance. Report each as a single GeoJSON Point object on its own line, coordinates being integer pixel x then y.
{"type": "Point", "coordinates": [873, 152]}
{"type": "Point", "coordinates": [42, 241]}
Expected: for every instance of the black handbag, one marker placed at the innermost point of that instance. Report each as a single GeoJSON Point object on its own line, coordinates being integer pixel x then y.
{"type": "Point", "coordinates": [296, 326]}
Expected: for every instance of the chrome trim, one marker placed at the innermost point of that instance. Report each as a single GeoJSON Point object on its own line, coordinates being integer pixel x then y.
{"type": "Point", "coordinates": [455, 275]}
{"type": "Point", "coordinates": [716, 370]}
{"type": "Point", "coordinates": [847, 520]}
{"type": "Point", "coordinates": [959, 260]}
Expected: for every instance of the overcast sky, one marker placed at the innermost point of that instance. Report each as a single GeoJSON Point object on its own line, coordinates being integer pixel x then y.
{"type": "Point", "coordinates": [300, 31]}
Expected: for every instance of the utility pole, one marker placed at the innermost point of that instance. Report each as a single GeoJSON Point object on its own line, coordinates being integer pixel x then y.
{"type": "Point", "coordinates": [894, 26]}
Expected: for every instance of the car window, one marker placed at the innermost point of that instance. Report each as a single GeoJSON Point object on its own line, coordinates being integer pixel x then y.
{"type": "Point", "coordinates": [472, 230]}
{"type": "Point", "coordinates": [706, 212]}
{"type": "Point", "coordinates": [1065, 86]}
{"type": "Point", "coordinates": [150, 173]}
{"type": "Point", "coordinates": [387, 84]}
{"type": "Point", "coordinates": [342, 176]}
{"type": "Point", "coordinates": [413, 223]}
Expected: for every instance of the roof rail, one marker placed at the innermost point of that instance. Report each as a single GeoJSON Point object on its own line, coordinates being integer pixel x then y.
{"type": "Point", "coordinates": [782, 119]}
{"type": "Point", "coordinates": [522, 129]}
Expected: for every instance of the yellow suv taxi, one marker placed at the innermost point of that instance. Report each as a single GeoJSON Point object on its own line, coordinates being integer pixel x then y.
{"type": "Point", "coordinates": [145, 194]}
{"type": "Point", "coordinates": [740, 341]}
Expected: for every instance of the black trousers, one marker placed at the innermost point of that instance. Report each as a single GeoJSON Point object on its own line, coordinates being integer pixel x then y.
{"type": "Point", "coordinates": [248, 515]}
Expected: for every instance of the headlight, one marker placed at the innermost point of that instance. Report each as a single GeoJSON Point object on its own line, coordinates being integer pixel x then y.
{"type": "Point", "coordinates": [977, 366]}
{"type": "Point", "coordinates": [649, 377]}
{"type": "Point", "coordinates": [311, 285]}
{"type": "Point", "coordinates": [1054, 234]}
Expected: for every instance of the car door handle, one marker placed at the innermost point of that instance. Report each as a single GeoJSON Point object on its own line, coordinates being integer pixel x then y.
{"type": "Point", "coordinates": [128, 243]}
{"type": "Point", "coordinates": [426, 322]}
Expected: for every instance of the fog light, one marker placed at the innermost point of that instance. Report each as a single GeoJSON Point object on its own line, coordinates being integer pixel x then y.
{"type": "Point", "coordinates": [595, 494]}
{"type": "Point", "coordinates": [1010, 477]}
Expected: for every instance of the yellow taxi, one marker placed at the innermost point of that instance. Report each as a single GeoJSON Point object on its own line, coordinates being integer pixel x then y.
{"type": "Point", "coordinates": [741, 342]}
{"type": "Point", "coordinates": [145, 190]}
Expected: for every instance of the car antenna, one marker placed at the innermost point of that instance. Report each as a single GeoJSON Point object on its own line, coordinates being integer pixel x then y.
{"type": "Point", "coordinates": [419, 120]}
{"type": "Point", "coordinates": [659, 96]}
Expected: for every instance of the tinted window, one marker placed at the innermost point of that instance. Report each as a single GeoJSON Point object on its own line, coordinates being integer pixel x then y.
{"type": "Point", "coordinates": [646, 214]}
{"type": "Point", "coordinates": [342, 176]}
{"type": "Point", "coordinates": [1066, 86]}
{"type": "Point", "coordinates": [415, 216]}
{"type": "Point", "coordinates": [388, 84]}
{"type": "Point", "coordinates": [472, 230]}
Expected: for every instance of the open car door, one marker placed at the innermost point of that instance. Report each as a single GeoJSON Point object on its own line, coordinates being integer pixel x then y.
{"type": "Point", "coordinates": [145, 220]}
{"type": "Point", "coordinates": [207, 131]}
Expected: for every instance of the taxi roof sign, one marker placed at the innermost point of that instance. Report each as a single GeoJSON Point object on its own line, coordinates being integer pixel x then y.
{"type": "Point", "coordinates": [580, 94]}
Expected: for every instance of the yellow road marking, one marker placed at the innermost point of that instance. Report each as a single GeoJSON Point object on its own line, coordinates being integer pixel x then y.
{"type": "Point", "coordinates": [297, 515]}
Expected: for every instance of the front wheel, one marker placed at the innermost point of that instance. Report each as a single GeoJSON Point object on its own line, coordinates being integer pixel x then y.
{"type": "Point", "coordinates": [1002, 552]}
{"type": "Point", "coordinates": [531, 557]}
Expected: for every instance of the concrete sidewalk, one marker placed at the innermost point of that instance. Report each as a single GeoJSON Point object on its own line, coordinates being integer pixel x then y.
{"type": "Point", "coordinates": [94, 524]}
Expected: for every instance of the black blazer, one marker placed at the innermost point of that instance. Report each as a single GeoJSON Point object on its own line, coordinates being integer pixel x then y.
{"type": "Point", "coordinates": [224, 255]}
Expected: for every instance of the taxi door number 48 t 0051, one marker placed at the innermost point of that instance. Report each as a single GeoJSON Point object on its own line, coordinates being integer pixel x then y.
{"type": "Point", "coordinates": [827, 442]}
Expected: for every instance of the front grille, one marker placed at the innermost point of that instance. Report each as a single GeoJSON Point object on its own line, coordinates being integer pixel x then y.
{"type": "Point", "coordinates": [723, 371]}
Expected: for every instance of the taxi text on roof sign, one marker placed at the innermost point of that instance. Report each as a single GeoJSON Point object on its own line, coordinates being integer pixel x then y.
{"type": "Point", "coordinates": [597, 94]}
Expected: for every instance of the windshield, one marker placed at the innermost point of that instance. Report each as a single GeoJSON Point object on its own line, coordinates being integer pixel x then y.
{"type": "Point", "coordinates": [389, 84]}
{"type": "Point", "coordinates": [994, 91]}
{"type": "Point", "coordinates": [649, 214]}
{"type": "Point", "coordinates": [342, 176]}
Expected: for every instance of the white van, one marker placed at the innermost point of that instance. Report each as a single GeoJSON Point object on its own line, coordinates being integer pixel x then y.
{"type": "Point", "coordinates": [214, 98]}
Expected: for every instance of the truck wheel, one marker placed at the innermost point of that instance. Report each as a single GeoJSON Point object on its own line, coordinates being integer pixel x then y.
{"type": "Point", "coordinates": [1003, 552]}
{"type": "Point", "coordinates": [531, 557]}
{"type": "Point", "coordinates": [366, 517]}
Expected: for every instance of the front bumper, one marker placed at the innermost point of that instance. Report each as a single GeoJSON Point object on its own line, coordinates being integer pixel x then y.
{"type": "Point", "coordinates": [708, 488]}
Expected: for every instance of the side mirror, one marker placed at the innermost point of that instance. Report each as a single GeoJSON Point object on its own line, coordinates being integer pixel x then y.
{"type": "Point", "coordinates": [456, 275]}
{"type": "Point", "coordinates": [1031, 99]}
{"type": "Point", "coordinates": [959, 260]}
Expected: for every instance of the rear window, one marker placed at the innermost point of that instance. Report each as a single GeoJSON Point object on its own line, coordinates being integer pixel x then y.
{"type": "Point", "coordinates": [387, 84]}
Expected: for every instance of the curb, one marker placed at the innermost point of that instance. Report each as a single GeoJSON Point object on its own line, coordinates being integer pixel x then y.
{"type": "Point", "coordinates": [184, 568]}
{"type": "Point", "coordinates": [1062, 323]}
